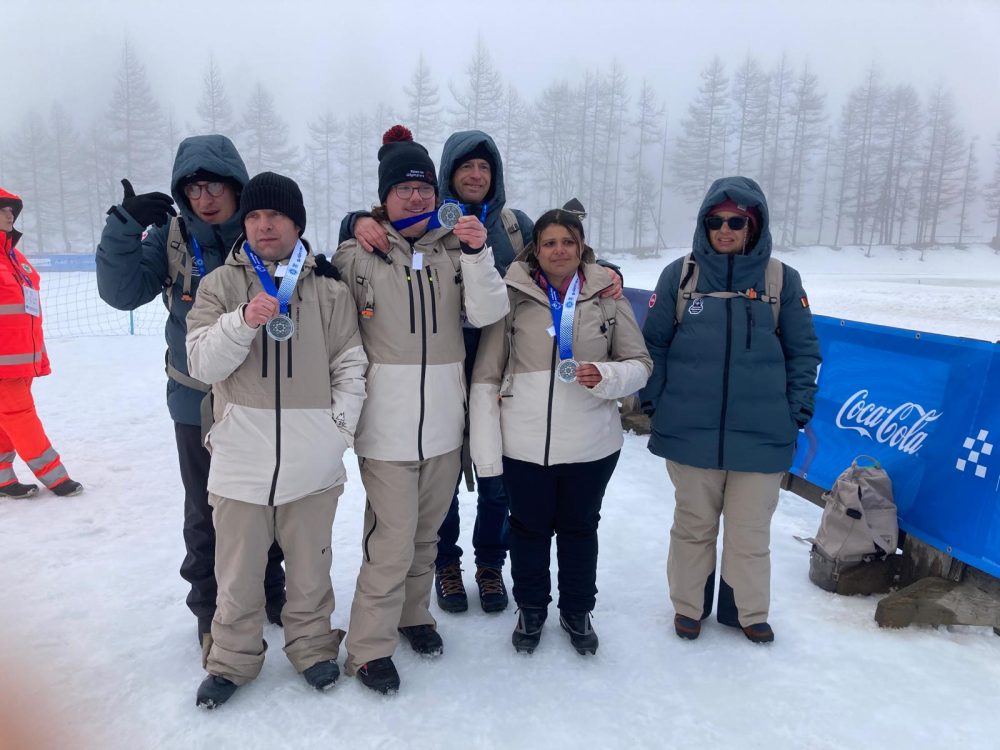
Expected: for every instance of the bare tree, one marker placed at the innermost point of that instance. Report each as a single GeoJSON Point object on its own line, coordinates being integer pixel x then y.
{"type": "Point", "coordinates": [807, 115]}
{"type": "Point", "coordinates": [750, 94]}
{"type": "Point", "coordinates": [646, 127]}
{"type": "Point", "coordinates": [324, 140]}
{"type": "Point", "coordinates": [515, 141]}
{"type": "Point", "coordinates": [968, 190]}
{"type": "Point", "coordinates": [31, 171]}
{"type": "Point", "coordinates": [992, 196]}
{"type": "Point", "coordinates": [69, 189]}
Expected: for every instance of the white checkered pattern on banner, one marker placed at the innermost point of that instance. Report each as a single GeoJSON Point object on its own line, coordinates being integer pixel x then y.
{"type": "Point", "coordinates": [976, 454]}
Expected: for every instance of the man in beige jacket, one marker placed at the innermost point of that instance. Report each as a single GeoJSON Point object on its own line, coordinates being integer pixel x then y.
{"type": "Point", "coordinates": [276, 335]}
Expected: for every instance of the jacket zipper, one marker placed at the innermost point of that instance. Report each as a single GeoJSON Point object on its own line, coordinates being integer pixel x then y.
{"type": "Point", "coordinates": [434, 315]}
{"type": "Point", "coordinates": [277, 420]}
{"type": "Point", "coordinates": [725, 365]}
{"type": "Point", "coordinates": [548, 414]}
{"type": "Point", "coordinates": [409, 286]}
{"type": "Point", "coordinates": [423, 366]}
{"type": "Point", "coordinates": [749, 323]}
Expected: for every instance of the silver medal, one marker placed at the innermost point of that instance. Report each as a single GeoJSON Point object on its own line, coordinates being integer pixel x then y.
{"type": "Point", "coordinates": [566, 370]}
{"type": "Point", "coordinates": [280, 328]}
{"type": "Point", "coordinates": [449, 214]}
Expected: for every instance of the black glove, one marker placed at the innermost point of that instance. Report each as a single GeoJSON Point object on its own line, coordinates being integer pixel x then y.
{"type": "Point", "coordinates": [326, 268]}
{"type": "Point", "coordinates": [648, 408]}
{"type": "Point", "coordinates": [148, 208]}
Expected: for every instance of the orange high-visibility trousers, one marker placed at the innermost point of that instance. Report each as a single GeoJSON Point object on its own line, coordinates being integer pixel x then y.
{"type": "Point", "coordinates": [21, 430]}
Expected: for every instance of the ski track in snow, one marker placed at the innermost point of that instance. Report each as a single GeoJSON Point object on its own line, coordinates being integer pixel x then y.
{"type": "Point", "coordinates": [98, 648]}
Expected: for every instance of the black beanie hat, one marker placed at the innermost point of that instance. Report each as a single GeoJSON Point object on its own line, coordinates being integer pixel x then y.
{"type": "Point", "coordinates": [401, 159]}
{"type": "Point", "coordinates": [277, 193]}
{"type": "Point", "coordinates": [481, 151]}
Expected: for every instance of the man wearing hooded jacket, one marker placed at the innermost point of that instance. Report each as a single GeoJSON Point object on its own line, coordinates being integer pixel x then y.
{"type": "Point", "coordinates": [134, 265]}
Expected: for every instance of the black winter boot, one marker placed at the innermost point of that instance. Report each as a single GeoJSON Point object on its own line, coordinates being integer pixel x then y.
{"type": "Point", "coordinates": [380, 675]}
{"type": "Point", "coordinates": [68, 488]}
{"type": "Point", "coordinates": [214, 691]}
{"type": "Point", "coordinates": [451, 596]}
{"type": "Point", "coordinates": [581, 634]}
{"type": "Point", "coordinates": [528, 632]}
{"type": "Point", "coordinates": [492, 592]}
{"type": "Point", "coordinates": [18, 491]}
{"type": "Point", "coordinates": [423, 639]}
{"type": "Point", "coordinates": [323, 674]}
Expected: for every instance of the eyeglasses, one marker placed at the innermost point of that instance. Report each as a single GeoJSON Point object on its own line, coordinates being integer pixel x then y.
{"type": "Point", "coordinates": [736, 223]}
{"type": "Point", "coordinates": [193, 189]}
{"type": "Point", "coordinates": [405, 191]}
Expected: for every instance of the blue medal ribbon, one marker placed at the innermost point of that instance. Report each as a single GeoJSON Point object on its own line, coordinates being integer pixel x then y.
{"type": "Point", "coordinates": [432, 215]}
{"type": "Point", "coordinates": [291, 275]}
{"type": "Point", "coordinates": [198, 257]}
{"type": "Point", "coordinates": [563, 324]}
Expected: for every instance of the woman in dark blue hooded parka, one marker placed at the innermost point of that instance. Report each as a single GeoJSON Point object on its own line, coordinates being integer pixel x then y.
{"type": "Point", "coordinates": [732, 385]}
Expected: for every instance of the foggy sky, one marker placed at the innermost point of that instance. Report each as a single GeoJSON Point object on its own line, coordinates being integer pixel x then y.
{"type": "Point", "coordinates": [315, 56]}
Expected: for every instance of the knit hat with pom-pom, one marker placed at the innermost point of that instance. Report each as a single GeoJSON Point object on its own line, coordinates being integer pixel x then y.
{"type": "Point", "coordinates": [401, 159]}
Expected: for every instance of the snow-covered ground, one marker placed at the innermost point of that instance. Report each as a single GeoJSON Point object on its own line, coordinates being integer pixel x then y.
{"type": "Point", "coordinates": [97, 649]}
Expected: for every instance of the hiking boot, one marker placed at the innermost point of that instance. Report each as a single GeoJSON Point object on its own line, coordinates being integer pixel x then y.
{"type": "Point", "coordinates": [380, 675]}
{"type": "Point", "coordinates": [759, 633]}
{"type": "Point", "coordinates": [581, 634]}
{"type": "Point", "coordinates": [273, 611]}
{"type": "Point", "coordinates": [67, 488]}
{"type": "Point", "coordinates": [528, 632]}
{"type": "Point", "coordinates": [214, 691]}
{"type": "Point", "coordinates": [323, 674]}
{"type": "Point", "coordinates": [687, 627]}
{"type": "Point", "coordinates": [18, 491]}
{"type": "Point", "coordinates": [492, 592]}
{"type": "Point", "coordinates": [423, 639]}
{"type": "Point", "coordinates": [450, 589]}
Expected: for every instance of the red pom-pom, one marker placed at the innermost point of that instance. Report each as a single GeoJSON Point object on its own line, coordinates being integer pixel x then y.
{"type": "Point", "coordinates": [397, 133]}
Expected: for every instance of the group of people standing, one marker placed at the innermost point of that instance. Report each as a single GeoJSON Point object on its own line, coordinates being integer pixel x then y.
{"type": "Point", "coordinates": [430, 330]}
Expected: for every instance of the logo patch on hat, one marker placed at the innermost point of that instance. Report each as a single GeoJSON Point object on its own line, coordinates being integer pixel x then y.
{"type": "Point", "coordinates": [697, 306]}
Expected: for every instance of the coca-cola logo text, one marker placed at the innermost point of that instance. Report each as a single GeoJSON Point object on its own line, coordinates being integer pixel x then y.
{"type": "Point", "coordinates": [902, 427]}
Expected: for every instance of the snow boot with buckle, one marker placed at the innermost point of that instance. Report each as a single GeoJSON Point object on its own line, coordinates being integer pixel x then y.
{"type": "Point", "coordinates": [423, 639]}
{"type": "Point", "coordinates": [528, 631]}
{"type": "Point", "coordinates": [581, 634]}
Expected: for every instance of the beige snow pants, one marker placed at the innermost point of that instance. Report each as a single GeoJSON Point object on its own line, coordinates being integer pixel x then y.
{"type": "Point", "coordinates": [747, 500]}
{"type": "Point", "coordinates": [244, 533]}
{"type": "Point", "coordinates": [407, 502]}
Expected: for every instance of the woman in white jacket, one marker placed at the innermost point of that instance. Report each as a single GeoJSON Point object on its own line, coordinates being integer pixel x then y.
{"type": "Point", "coordinates": [544, 411]}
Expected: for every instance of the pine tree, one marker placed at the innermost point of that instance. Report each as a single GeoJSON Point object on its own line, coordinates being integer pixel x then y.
{"type": "Point", "coordinates": [324, 142]}
{"type": "Point", "coordinates": [214, 109]}
{"type": "Point", "coordinates": [807, 114]}
{"type": "Point", "coordinates": [968, 189]}
{"type": "Point", "coordinates": [424, 112]}
{"type": "Point", "coordinates": [477, 105]}
{"type": "Point", "coordinates": [69, 188]}
{"type": "Point", "coordinates": [514, 140]}
{"type": "Point", "coordinates": [750, 94]}
{"type": "Point", "coordinates": [699, 154]}
{"type": "Point", "coordinates": [135, 124]}
{"type": "Point", "coordinates": [643, 191]}
{"type": "Point", "coordinates": [31, 170]}
{"type": "Point", "coordinates": [992, 196]}
{"type": "Point", "coordinates": [264, 138]}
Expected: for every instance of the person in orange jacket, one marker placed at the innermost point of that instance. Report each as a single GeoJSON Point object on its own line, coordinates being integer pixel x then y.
{"type": "Point", "coordinates": [23, 358]}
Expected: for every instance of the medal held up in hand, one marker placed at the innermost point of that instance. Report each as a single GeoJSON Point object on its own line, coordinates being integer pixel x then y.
{"type": "Point", "coordinates": [449, 214]}
{"type": "Point", "coordinates": [281, 327]}
{"type": "Point", "coordinates": [566, 370]}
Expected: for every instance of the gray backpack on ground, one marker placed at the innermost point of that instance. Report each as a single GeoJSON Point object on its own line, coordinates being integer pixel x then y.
{"type": "Point", "coordinates": [859, 524]}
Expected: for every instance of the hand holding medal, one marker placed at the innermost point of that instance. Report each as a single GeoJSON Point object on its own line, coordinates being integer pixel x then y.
{"type": "Point", "coordinates": [260, 309]}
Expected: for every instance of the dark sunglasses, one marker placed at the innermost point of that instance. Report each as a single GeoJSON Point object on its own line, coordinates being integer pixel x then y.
{"type": "Point", "coordinates": [736, 223]}
{"type": "Point", "coordinates": [193, 189]}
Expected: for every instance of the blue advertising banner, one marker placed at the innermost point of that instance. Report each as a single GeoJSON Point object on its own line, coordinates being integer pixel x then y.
{"type": "Point", "coordinates": [928, 408]}
{"type": "Point", "coordinates": [69, 262]}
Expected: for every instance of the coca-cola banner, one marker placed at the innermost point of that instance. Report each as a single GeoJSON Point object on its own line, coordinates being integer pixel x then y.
{"type": "Point", "coordinates": [928, 408]}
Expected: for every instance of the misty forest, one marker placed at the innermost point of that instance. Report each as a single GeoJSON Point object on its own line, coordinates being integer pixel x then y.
{"type": "Point", "coordinates": [890, 165]}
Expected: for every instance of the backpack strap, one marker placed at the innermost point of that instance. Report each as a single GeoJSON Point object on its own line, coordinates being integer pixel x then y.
{"type": "Point", "coordinates": [774, 279]}
{"type": "Point", "coordinates": [509, 219]}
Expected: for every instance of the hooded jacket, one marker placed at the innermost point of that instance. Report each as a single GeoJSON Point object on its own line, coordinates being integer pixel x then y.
{"type": "Point", "coordinates": [729, 391]}
{"type": "Point", "coordinates": [285, 411]}
{"type": "Point", "coordinates": [132, 263]}
{"type": "Point", "coordinates": [22, 346]}
{"type": "Point", "coordinates": [518, 408]}
{"type": "Point", "coordinates": [455, 148]}
{"type": "Point", "coordinates": [410, 315]}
